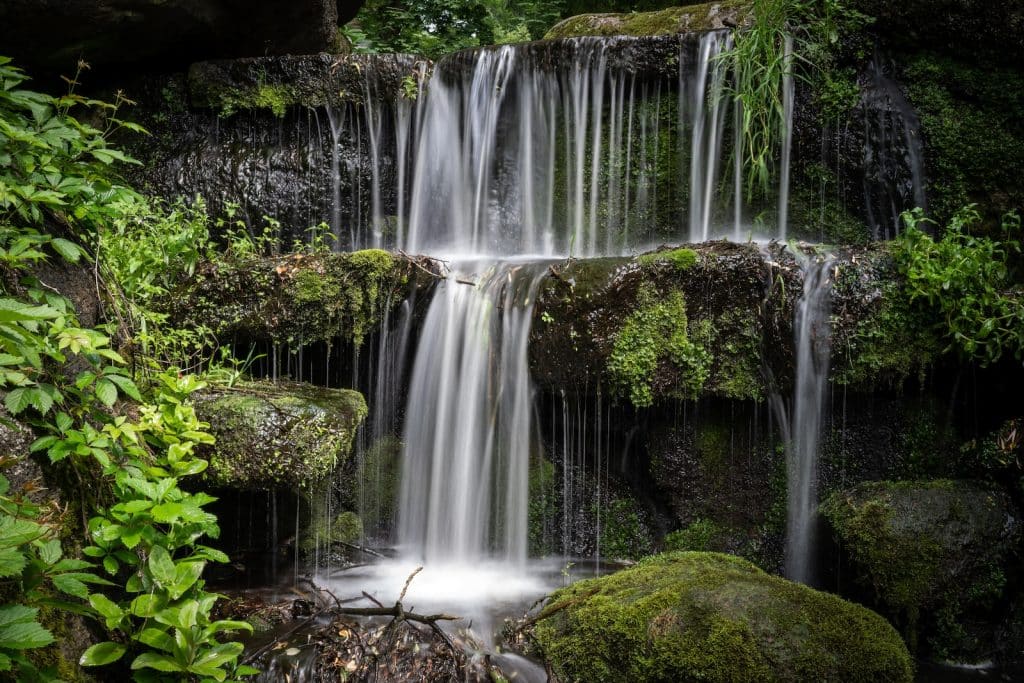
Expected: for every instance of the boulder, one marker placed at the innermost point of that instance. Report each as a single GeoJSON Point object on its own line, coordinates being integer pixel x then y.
{"type": "Point", "coordinates": [278, 436]}
{"type": "Point", "coordinates": [709, 617]}
{"type": "Point", "coordinates": [933, 554]}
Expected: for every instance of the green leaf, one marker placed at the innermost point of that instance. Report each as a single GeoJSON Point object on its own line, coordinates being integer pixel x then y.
{"type": "Point", "coordinates": [105, 606]}
{"type": "Point", "coordinates": [66, 248]}
{"type": "Point", "coordinates": [17, 400]}
{"type": "Point", "coordinates": [101, 654]}
{"type": "Point", "coordinates": [151, 660]}
{"type": "Point", "coordinates": [156, 638]}
{"type": "Point", "coordinates": [12, 562]}
{"type": "Point", "coordinates": [185, 576]}
{"type": "Point", "coordinates": [126, 385]}
{"type": "Point", "coordinates": [106, 392]}
{"type": "Point", "coordinates": [19, 629]}
{"type": "Point", "coordinates": [162, 566]}
{"type": "Point", "coordinates": [70, 584]}
{"type": "Point", "coordinates": [50, 551]}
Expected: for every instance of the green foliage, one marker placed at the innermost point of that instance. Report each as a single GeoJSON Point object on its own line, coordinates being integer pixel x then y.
{"type": "Point", "coordinates": [67, 382]}
{"type": "Point", "coordinates": [435, 27]}
{"type": "Point", "coordinates": [973, 134]}
{"type": "Point", "coordinates": [152, 533]}
{"type": "Point", "coordinates": [656, 334]}
{"type": "Point", "coordinates": [973, 283]}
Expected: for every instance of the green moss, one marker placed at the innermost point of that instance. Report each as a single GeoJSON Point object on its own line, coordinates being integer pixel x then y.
{"type": "Point", "coordinates": [656, 334]}
{"type": "Point", "coordinates": [380, 472]}
{"type": "Point", "coordinates": [735, 334]}
{"type": "Point", "coordinates": [701, 535]}
{"type": "Point", "coordinates": [271, 436]}
{"type": "Point", "coordinates": [542, 507]}
{"type": "Point", "coordinates": [816, 215]}
{"type": "Point", "coordinates": [890, 339]}
{"type": "Point", "coordinates": [682, 258]}
{"type": "Point", "coordinates": [668, 21]}
{"type": "Point", "coordinates": [323, 530]}
{"type": "Point", "coordinates": [623, 535]}
{"type": "Point", "coordinates": [711, 617]}
{"type": "Point", "coordinates": [277, 98]}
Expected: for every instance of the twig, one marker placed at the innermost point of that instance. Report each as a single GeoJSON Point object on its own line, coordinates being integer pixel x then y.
{"type": "Point", "coordinates": [405, 588]}
{"type": "Point", "coordinates": [396, 612]}
{"type": "Point", "coordinates": [360, 548]}
{"type": "Point", "coordinates": [416, 263]}
{"type": "Point", "coordinates": [372, 599]}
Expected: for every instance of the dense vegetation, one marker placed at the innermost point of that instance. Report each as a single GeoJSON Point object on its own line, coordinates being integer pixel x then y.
{"type": "Point", "coordinates": [127, 446]}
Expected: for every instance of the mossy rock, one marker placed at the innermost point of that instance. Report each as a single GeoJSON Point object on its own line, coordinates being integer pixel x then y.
{"type": "Point", "coordinates": [930, 552]}
{"type": "Point", "coordinates": [711, 617]}
{"type": "Point", "coordinates": [279, 436]}
{"type": "Point", "coordinates": [704, 17]}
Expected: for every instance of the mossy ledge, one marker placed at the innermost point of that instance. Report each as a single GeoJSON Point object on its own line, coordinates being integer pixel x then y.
{"type": "Point", "coordinates": [277, 83]}
{"type": "Point", "coordinates": [278, 435]}
{"type": "Point", "coordinates": [296, 299]}
{"type": "Point", "coordinates": [709, 617]}
{"type": "Point", "coordinates": [703, 17]}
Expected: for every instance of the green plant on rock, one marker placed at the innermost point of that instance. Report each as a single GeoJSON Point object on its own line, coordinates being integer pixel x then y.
{"type": "Point", "coordinates": [656, 334]}
{"type": "Point", "coordinates": [973, 283]}
{"type": "Point", "coordinates": [783, 34]}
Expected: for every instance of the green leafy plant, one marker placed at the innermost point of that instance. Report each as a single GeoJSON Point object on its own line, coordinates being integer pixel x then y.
{"type": "Point", "coordinates": [153, 531]}
{"type": "Point", "coordinates": [971, 282]}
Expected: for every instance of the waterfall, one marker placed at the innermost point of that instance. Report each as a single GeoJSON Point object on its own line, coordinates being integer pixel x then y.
{"type": "Point", "coordinates": [468, 421]}
{"type": "Point", "coordinates": [802, 434]}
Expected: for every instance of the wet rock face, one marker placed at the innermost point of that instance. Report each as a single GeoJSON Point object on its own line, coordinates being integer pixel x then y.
{"type": "Point", "coordinates": [284, 137]}
{"type": "Point", "coordinates": [165, 32]}
{"type": "Point", "coordinates": [705, 616]}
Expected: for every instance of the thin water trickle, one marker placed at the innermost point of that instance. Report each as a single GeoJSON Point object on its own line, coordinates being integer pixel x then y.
{"type": "Point", "coordinates": [802, 431]}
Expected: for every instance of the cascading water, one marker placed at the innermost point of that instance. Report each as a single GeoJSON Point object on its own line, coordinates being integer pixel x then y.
{"type": "Point", "coordinates": [468, 425]}
{"type": "Point", "coordinates": [802, 429]}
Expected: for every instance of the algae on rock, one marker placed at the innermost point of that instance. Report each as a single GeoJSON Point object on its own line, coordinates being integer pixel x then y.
{"type": "Point", "coordinates": [712, 617]}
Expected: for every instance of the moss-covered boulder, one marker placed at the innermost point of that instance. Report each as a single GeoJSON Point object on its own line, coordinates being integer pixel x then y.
{"type": "Point", "coordinates": [279, 436]}
{"type": "Point", "coordinates": [932, 554]}
{"type": "Point", "coordinates": [711, 617]}
{"type": "Point", "coordinates": [296, 299]}
{"type": "Point", "coordinates": [703, 17]}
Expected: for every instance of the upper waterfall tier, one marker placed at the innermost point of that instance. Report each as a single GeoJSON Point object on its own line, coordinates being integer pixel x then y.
{"type": "Point", "coordinates": [583, 146]}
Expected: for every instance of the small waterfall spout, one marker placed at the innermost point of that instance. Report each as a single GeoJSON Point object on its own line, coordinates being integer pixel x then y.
{"type": "Point", "coordinates": [802, 434]}
{"type": "Point", "coordinates": [467, 436]}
